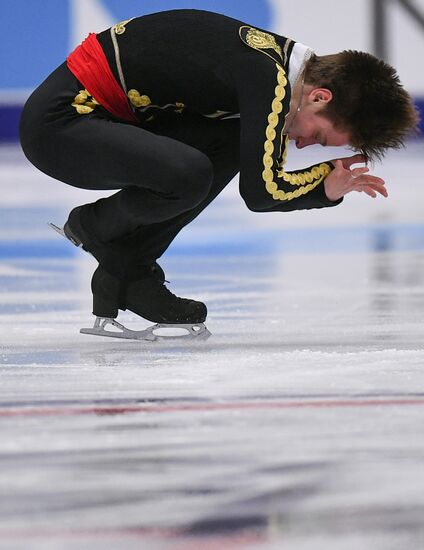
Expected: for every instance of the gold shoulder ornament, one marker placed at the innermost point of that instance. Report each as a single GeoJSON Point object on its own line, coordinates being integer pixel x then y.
{"type": "Point", "coordinates": [262, 40]}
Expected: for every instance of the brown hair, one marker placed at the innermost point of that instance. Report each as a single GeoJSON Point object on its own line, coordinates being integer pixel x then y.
{"type": "Point", "coordinates": [368, 100]}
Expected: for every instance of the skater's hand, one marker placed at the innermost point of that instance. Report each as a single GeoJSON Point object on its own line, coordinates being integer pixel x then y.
{"type": "Point", "coordinates": [342, 180]}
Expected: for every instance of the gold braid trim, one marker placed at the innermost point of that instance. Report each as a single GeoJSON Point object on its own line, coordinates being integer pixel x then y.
{"type": "Point", "coordinates": [119, 28]}
{"type": "Point", "coordinates": [137, 99]}
{"type": "Point", "coordinates": [299, 179]}
{"type": "Point", "coordinates": [84, 102]}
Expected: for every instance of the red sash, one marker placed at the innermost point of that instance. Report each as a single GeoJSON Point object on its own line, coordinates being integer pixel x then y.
{"type": "Point", "coordinates": [89, 64]}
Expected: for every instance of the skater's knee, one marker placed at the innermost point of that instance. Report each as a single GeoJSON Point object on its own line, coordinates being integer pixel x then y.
{"type": "Point", "coordinates": [192, 178]}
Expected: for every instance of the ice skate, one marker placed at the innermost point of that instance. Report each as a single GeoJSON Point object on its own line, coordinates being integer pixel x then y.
{"type": "Point", "coordinates": [159, 331]}
{"type": "Point", "coordinates": [149, 298]}
{"type": "Point", "coordinates": [70, 237]}
{"type": "Point", "coordinates": [72, 230]}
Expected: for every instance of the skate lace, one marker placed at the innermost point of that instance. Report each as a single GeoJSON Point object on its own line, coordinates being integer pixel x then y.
{"type": "Point", "coordinates": [158, 285]}
{"type": "Point", "coordinates": [164, 291]}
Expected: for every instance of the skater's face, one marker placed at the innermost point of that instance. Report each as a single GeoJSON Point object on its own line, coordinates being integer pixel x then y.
{"type": "Point", "coordinates": [308, 127]}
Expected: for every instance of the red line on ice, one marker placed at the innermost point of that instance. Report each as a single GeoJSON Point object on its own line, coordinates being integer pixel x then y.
{"type": "Point", "coordinates": [177, 538]}
{"type": "Point", "coordinates": [203, 407]}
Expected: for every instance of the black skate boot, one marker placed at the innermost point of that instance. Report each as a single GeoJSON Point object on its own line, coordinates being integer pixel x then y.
{"type": "Point", "coordinates": [109, 292]}
{"type": "Point", "coordinates": [147, 297]}
{"type": "Point", "coordinates": [73, 231]}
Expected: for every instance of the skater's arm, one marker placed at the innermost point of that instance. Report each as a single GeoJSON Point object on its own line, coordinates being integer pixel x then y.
{"type": "Point", "coordinates": [264, 97]}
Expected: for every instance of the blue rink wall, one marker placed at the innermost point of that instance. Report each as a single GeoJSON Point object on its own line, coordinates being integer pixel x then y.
{"type": "Point", "coordinates": [39, 35]}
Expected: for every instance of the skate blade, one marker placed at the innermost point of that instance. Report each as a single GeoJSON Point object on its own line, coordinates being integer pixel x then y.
{"type": "Point", "coordinates": [61, 232]}
{"type": "Point", "coordinates": [160, 331]}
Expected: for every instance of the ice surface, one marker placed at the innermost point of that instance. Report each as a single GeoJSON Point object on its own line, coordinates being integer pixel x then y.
{"type": "Point", "coordinates": [298, 425]}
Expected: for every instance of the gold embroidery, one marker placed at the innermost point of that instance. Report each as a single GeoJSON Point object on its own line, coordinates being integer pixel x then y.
{"type": "Point", "coordinates": [81, 98]}
{"type": "Point", "coordinates": [119, 28]}
{"type": "Point", "coordinates": [320, 171]}
{"type": "Point", "coordinates": [84, 102]}
{"type": "Point", "coordinates": [138, 100]}
{"type": "Point", "coordinates": [317, 173]}
{"type": "Point", "coordinates": [262, 40]}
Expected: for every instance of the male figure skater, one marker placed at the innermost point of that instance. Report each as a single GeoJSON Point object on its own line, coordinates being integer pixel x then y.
{"type": "Point", "coordinates": [167, 108]}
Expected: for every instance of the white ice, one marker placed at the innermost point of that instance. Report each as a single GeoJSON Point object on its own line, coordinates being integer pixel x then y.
{"type": "Point", "coordinates": [297, 425]}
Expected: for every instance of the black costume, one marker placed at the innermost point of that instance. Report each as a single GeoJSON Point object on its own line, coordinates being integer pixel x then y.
{"type": "Point", "coordinates": [211, 95]}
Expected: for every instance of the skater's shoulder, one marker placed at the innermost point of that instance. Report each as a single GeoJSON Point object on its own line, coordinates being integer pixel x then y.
{"type": "Point", "coordinates": [190, 15]}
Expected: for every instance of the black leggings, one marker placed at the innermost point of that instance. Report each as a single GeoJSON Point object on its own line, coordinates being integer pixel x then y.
{"type": "Point", "coordinates": [167, 170]}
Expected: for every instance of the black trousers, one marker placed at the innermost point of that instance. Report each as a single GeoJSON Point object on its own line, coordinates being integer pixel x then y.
{"type": "Point", "coordinates": [168, 170]}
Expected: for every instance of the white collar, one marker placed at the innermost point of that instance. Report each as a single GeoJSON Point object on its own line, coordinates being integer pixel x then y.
{"type": "Point", "coordinates": [298, 58]}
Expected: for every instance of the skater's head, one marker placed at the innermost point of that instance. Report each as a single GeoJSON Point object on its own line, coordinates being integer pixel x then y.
{"type": "Point", "coordinates": [353, 98]}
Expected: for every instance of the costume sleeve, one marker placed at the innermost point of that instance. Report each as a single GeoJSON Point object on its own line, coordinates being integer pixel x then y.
{"type": "Point", "coordinates": [264, 98]}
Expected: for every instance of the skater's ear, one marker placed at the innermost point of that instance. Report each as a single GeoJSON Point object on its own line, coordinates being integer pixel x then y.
{"type": "Point", "coordinates": [320, 95]}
